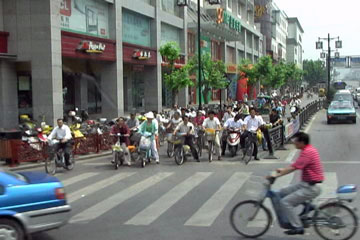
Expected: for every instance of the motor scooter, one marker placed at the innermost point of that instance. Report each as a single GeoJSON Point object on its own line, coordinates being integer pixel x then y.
{"type": "Point", "coordinates": [233, 140]}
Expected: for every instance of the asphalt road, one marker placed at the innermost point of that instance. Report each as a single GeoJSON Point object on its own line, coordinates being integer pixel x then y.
{"type": "Point", "coordinates": [192, 201]}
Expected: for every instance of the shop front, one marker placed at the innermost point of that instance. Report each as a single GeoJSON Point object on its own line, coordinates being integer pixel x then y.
{"type": "Point", "coordinates": [85, 60]}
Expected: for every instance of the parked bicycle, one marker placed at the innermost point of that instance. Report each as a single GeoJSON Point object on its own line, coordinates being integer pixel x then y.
{"type": "Point", "coordinates": [56, 159]}
{"type": "Point", "coordinates": [334, 219]}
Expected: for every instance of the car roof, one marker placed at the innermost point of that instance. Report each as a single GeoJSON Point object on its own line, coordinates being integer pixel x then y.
{"type": "Point", "coordinates": [345, 91]}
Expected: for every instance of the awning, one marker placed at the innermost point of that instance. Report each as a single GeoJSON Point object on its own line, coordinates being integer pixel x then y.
{"type": "Point", "coordinates": [208, 25]}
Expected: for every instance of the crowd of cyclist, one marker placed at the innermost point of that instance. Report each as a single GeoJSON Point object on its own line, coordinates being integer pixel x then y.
{"type": "Point", "coordinates": [189, 122]}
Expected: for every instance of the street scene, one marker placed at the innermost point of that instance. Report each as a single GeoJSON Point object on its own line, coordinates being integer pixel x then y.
{"type": "Point", "coordinates": [178, 119]}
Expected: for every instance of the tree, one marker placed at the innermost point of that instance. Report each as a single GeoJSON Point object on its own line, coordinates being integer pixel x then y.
{"type": "Point", "coordinates": [248, 69]}
{"type": "Point", "coordinates": [265, 71]}
{"type": "Point", "coordinates": [314, 72]}
{"type": "Point", "coordinates": [293, 76]}
{"type": "Point", "coordinates": [176, 79]}
{"type": "Point", "coordinates": [213, 74]}
{"type": "Point", "coordinates": [278, 78]}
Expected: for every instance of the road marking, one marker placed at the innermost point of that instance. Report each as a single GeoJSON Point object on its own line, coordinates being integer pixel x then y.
{"type": "Point", "coordinates": [78, 178]}
{"type": "Point", "coordinates": [212, 208]}
{"type": "Point", "coordinates": [156, 209]}
{"type": "Point", "coordinates": [329, 186]}
{"type": "Point", "coordinates": [120, 197]}
{"type": "Point", "coordinates": [97, 164]}
{"type": "Point", "coordinates": [358, 115]}
{"type": "Point", "coordinates": [74, 196]}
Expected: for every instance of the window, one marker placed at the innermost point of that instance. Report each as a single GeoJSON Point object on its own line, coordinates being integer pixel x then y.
{"type": "Point", "coordinates": [295, 51]}
{"type": "Point", "coordinates": [229, 4]}
{"type": "Point", "coordinates": [94, 95]}
{"type": "Point", "coordinates": [2, 190]}
{"type": "Point", "coordinates": [239, 9]}
{"type": "Point", "coordinates": [215, 50]}
{"type": "Point", "coordinates": [300, 40]}
{"type": "Point", "coordinates": [191, 43]}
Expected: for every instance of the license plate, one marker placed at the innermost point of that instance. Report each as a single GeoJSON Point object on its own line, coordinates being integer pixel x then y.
{"type": "Point", "coordinates": [341, 117]}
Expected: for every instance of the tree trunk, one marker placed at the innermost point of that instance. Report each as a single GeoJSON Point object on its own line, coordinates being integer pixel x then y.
{"type": "Point", "coordinates": [175, 94]}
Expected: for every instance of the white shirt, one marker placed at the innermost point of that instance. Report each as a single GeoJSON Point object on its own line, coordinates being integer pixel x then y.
{"type": "Point", "coordinates": [172, 112]}
{"type": "Point", "coordinates": [60, 133]}
{"type": "Point", "coordinates": [252, 124]}
{"type": "Point", "coordinates": [155, 121]}
{"type": "Point", "coordinates": [176, 122]}
{"type": "Point", "coordinates": [230, 123]}
{"type": "Point", "coordinates": [227, 116]}
{"type": "Point", "coordinates": [214, 124]}
{"type": "Point", "coordinates": [182, 128]}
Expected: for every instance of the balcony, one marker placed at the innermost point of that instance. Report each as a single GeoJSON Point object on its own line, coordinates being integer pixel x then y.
{"type": "Point", "coordinates": [179, 63]}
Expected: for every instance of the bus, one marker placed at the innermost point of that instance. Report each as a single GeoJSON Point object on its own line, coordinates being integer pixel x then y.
{"type": "Point", "coordinates": [339, 85]}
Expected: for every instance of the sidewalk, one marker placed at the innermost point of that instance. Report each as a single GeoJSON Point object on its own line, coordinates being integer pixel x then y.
{"type": "Point", "coordinates": [30, 165]}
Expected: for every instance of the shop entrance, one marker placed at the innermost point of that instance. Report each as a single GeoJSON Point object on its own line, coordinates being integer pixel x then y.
{"type": "Point", "coordinates": [134, 81]}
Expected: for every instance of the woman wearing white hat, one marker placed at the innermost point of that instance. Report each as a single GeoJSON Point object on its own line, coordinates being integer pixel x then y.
{"type": "Point", "coordinates": [149, 126]}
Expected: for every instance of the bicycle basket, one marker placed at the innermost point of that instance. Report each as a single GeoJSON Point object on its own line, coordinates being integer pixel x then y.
{"type": "Point", "coordinates": [255, 188]}
{"type": "Point", "coordinates": [145, 143]}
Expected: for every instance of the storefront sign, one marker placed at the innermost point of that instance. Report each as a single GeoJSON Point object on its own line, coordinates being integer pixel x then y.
{"type": "Point", "coordinates": [141, 55]}
{"type": "Point", "coordinates": [91, 47]}
{"type": "Point", "coordinates": [231, 68]}
{"type": "Point", "coordinates": [89, 17]}
{"type": "Point", "coordinates": [226, 18]}
{"type": "Point", "coordinates": [136, 29]}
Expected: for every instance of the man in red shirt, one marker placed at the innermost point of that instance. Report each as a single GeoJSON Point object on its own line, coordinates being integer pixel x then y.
{"type": "Point", "coordinates": [123, 129]}
{"type": "Point", "coordinates": [312, 174]}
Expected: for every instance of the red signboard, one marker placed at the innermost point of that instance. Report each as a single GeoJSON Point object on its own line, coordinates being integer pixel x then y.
{"type": "Point", "coordinates": [65, 7]}
{"type": "Point", "coordinates": [130, 53]}
{"type": "Point", "coordinates": [81, 46]}
{"type": "Point", "coordinates": [4, 42]}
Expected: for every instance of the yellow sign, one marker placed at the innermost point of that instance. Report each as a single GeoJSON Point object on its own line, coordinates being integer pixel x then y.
{"type": "Point", "coordinates": [231, 68]}
{"type": "Point", "coordinates": [260, 11]}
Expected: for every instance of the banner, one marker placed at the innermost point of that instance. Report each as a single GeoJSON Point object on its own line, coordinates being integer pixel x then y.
{"type": "Point", "coordinates": [89, 17]}
{"type": "Point", "coordinates": [292, 128]}
{"type": "Point", "coordinates": [339, 62]}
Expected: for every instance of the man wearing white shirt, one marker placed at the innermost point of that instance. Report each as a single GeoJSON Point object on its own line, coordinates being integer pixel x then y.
{"type": "Point", "coordinates": [252, 124]}
{"type": "Point", "coordinates": [236, 123]}
{"type": "Point", "coordinates": [228, 114]}
{"type": "Point", "coordinates": [214, 123]}
{"type": "Point", "coordinates": [63, 134]}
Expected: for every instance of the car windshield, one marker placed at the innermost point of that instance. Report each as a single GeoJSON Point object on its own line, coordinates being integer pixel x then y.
{"type": "Point", "coordinates": [16, 175]}
{"type": "Point", "coordinates": [343, 97]}
{"type": "Point", "coordinates": [341, 105]}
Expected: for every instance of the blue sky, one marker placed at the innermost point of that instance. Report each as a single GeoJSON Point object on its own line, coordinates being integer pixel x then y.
{"type": "Point", "coordinates": [320, 17]}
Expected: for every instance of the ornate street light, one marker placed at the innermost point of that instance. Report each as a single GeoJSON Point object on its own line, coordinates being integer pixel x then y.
{"type": "Point", "coordinates": [183, 3]}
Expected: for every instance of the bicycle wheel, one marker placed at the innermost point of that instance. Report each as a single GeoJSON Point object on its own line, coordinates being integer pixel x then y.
{"type": "Point", "coordinates": [170, 150]}
{"type": "Point", "coordinates": [199, 146]}
{"type": "Point", "coordinates": [248, 152]}
{"type": "Point", "coordinates": [50, 165]}
{"type": "Point", "coordinates": [250, 219]}
{"type": "Point", "coordinates": [72, 162]}
{"type": "Point", "coordinates": [211, 146]}
{"type": "Point", "coordinates": [179, 156]}
{"type": "Point", "coordinates": [335, 221]}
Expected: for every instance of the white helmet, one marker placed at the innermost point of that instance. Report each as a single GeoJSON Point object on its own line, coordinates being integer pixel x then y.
{"type": "Point", "coordinates": [150, 115]}
{"type": "Point", "coordinates": [72, 113]}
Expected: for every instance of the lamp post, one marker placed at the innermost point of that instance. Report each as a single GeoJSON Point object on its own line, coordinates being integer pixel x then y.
{"type": "Point", "coordinates": [183, 3]}
{"type": "Point", "coordinates": [319, 45]}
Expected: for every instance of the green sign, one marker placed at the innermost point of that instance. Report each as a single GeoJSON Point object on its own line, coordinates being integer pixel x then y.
{"type": "Point", "coordinates": [136, 29]}
{"type": "Point", "coordinates": [231, 21]}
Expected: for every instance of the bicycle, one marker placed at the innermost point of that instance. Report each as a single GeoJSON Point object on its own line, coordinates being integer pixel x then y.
{"type": "Point", "coordinates": [199, 137]}
{"type": "Point", "coordinates": [324, 217]}
{"type": "Point", "coordinates": [182, 151]}
{"type": "Point", "coordinates": [57, 160]}
{"type": "Point", "coordinates": [248, 151]}
{"type": "Point", "coordinates": [211, 137]}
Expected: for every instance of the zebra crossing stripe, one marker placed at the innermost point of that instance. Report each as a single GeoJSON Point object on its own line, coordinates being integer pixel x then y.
{"type": "Point", "coordinates": [212, 208]}
{"type": "Point", "coordinates": [78, 178]}
{"type": "Point", "coordinates": [106, 205]}
{"type": "Point", "coordinates": [155, 210]}
{"type": "Point", "coordinates": [281, 182]}
{"type": "Point", "coordinates": [74, 196]}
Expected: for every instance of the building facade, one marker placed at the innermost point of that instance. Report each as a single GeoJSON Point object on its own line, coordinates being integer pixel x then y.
{"type": "Point", "coordinates": [294, 47]}
{"type": "Point", "coordinates": [96, 55]}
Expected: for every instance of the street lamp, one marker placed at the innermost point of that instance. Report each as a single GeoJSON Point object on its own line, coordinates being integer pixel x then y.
{"type": "Point", "coordinates": [319, 45]}
{"type": "Point", "coordinates": [183, 3]}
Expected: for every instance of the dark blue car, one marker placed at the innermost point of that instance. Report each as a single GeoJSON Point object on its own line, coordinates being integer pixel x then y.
{"type": "Point", "coordinates": [30, 202]}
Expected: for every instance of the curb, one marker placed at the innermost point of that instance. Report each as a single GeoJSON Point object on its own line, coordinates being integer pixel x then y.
{"type": "Point", "coordinates": [42, 164]}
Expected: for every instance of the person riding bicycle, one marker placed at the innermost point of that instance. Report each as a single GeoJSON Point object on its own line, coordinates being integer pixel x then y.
{"type": "Point", "coordinates": [213, 122]}
{"type": "Point", "coordinates": [149, 127]}
{"type": "Point", "coordinates": [199, 119]}
{"type": "Point", "coordinates": [121, 128]}
{"type": "Point", "coordinates": [252, 124]}
{"type": "Point", "coordinates": [236, 123]}
{"type": "Point", "coordinates": [312, 174]}
{"type": "Point", "coordinates": [188, 128]}
{"type": "Point", "coordinates": [228, 114]}
{"type": "Point", "coordinates": [62, 133]}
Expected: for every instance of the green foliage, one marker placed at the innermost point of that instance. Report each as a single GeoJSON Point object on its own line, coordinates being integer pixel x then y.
{"type": "Point", "coordinates": [293, 76]}
{"type": "Point", "coordinates": [171, 51]}
{"type": "Point", "coordinates": [178, 79]}
{"type": "Point", "coordinates": [248, 69]}
{"type": "Point", "coordinates": [314, 72]}
{"type": "Point", "coordinates": [265, 71]}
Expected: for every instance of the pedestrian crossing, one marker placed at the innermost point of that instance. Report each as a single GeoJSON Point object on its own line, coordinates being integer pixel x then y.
{"type": "Point", "coordinates": [221, 198]}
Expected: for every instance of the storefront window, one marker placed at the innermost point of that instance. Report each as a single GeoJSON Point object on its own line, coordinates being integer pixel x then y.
{"type": "Point", "coordinates": [89, 17]}
{"type": "Point", "coordinates": [169, 33]}
{"type": "Point", "coordinates": [170, 6]}
{"type": "Point", "coordinates": [191, 44]}
{"type": "Point", "coordinates": [25, 95]}
{"type": "Point", "coordinates": [68, 91]}
{"type": "Point", "coordinates": [136, 29]}
{"type": "Point", "coordinates": [94, 95]}
{"type": "Point", "coordinates": [215, 50]}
